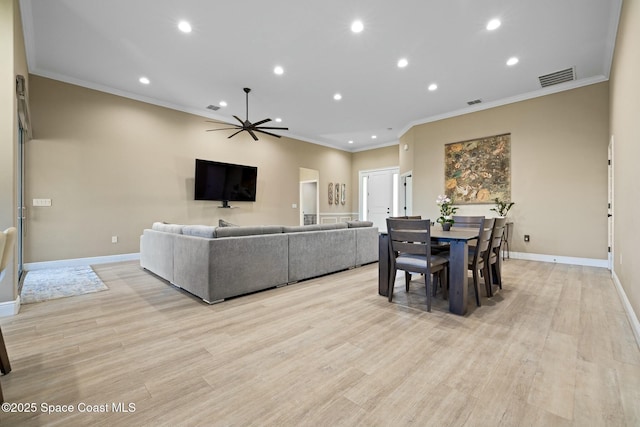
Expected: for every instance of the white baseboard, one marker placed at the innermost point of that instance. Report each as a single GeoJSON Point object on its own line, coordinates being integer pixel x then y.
{"type": "Point", "coordinates": [633, 319]}
{"type": "Point", "coordinates": [589, 262]}
{"type": "Point", "coordinates": [10, 308]}
{"type": "Point", "coordinates": [77, 262]}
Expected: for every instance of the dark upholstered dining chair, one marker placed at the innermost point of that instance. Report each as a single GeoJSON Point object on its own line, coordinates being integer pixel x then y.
{"type": "Point", "coordinates": [495, 263]}
{"type": "Point", "coordinates": [467, 221]}
{"type": "Point", "coordinates": [479, 253]}
{"type": "Point", "coordinates": [410, 249]}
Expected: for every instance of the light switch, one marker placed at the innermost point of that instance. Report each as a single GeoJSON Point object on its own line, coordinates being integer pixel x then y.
{"type": "Point", "coordinates": [41, 202]}
{"type": "Point", "coordinates": [294, 206]}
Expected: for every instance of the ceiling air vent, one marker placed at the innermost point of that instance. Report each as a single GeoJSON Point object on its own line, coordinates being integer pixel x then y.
{"type": "Point", "coordinates": [475, 101]}
{"type": "Point", "coordinates": [213, 107]}
{"type": "Point", "coordinates": [558, 77]}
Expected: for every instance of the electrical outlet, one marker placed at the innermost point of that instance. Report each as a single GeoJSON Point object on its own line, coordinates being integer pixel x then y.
{"type": "Point", "coordinates": [114, 239]}
{"type": "Point", "coordinates": [526, 237]}
{"type": "Point", "coordinates": [41, 202]}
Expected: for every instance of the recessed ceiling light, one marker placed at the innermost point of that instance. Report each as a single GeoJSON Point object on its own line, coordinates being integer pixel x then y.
{"type": "Point", "coordinates": [184, 26]}
{"type": "Point", "coordinates": [357, 26]}
{"type": "Point", "coordinates": [493, 24]}
{"type": "Point", "coordinates": [512, 61]}
{"type": "Point", "coordinates": [374, 136]}
{"type": "Point", "coordinates": [337, 97]}
{"type": "Point", "coordinates": [278, 70]}
{"type": "Point", "coordinates": [144, 80]}
{"type": "Point", "coordinates": [350, 142]}
{"type": "Point", "coordinates": [403, 63]}
{"type": "Point", "coordinates": [223, 103]}
{"type": "Point", "coordinates": [278, 119]}
{"type": "Point", "coordinates": [433, 87]}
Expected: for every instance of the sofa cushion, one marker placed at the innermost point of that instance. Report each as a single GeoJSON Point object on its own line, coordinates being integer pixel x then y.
{"type": "Point", "coordinates": [335, 226]}
{"type": "Point", "coordinates": [208, 231]}
{"type": "Point", "coordinates": [223, 223]}
{"type": "Point", "coordinates": [167, 228]}
{"type": "Point", "coordinates": [249, 230]}
{"type": "Point", "coordinates": [358, 224]}
{"type": "Point", "coordinates": [300, 228]}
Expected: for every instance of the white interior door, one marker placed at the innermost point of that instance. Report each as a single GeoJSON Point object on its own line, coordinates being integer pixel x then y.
{"type": "Point", "coordinates": [379, 196]}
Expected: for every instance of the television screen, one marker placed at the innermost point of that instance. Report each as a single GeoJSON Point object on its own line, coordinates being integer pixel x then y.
{"type": "Point", "coordinates": [225, 181]}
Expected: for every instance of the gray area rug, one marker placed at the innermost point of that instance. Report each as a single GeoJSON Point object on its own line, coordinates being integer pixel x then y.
{"type": "Point", "coordinates": [43, 285]}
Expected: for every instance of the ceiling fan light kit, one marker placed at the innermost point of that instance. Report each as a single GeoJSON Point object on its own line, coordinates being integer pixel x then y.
{"type": "Point", "coordinates": [246, 125]}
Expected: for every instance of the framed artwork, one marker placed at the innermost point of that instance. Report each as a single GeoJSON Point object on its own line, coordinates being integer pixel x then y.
{"type": "Point", "coordinates": [331, 193]}
{"type": "Point", "coordinates": [337, 199]}
{"type": "Point", "coordinates": [478, 170]}
{"type": "Point", "coordinates": [343, 194]}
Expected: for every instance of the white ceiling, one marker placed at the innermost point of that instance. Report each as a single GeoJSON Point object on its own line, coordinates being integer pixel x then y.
{"type": "Point", "coordinates": [109, 45]}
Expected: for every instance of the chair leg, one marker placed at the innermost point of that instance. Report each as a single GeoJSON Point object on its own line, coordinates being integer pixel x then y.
{"type": "Point", "coordinates": [496, 271]}
{"type": "Point", "coordinates": [407, 279]}
{"type": "Point", "coordinates": [488, 280]}
{"type": "Point", "coordinates": [428, 287]}
{"type": "Point", "coordinates": [392, 283]}
{"type": "Point", "coordinates": [5, 366]}
{"type": "Point", "coordinates": [475, 286]}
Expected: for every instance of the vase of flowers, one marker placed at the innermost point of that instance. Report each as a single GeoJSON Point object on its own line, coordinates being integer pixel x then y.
{"type": "Point", "coordinates": [446, 212]}
{"type": "Point", "coordinates": [502, 207]}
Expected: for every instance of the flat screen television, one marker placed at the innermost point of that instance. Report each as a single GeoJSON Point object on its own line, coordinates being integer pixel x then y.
{"type": "Point", "coordinates": [225, 182]}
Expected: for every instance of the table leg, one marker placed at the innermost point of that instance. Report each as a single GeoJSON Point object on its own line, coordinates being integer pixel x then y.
{"type": "Point", "coordinates": [458, 289]}
{"type": "Point", "coordinates": [383, 265]}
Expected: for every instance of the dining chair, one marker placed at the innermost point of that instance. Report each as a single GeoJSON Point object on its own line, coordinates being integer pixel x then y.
{"type": "Point", "coordinates": [495, 262]}
{"type": "Point", "coordinates": [410, 249]}
{"type": "Point", "coordinates": [7, 239]}
{"type": "Point", "coordinates": [468, 221]}
{"type": "Point", "coordinates": [479, 253]}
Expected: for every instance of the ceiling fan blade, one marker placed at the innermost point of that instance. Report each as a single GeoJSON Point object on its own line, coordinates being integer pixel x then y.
{"type": "Point", "coordinates": [238, 119]}
{"type": "Point", "coordinates": [235, 127]}
{"type": "Point", "coordinates": [234, 134]}
{"type": "Point", "coordinates": [217, 121]}
{"type": "Point", "coordinates": [268, 133]}
{"type": "Point", "coordinates": [261, 122]}
{"type": "Point", "coordinates": [272, 127]}
{"type": "Point", "coordinates": [255, 138]}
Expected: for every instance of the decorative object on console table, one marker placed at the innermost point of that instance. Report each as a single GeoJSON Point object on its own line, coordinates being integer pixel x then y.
{"type": "Point", "coordinates": [447, 210]}
{"type": "Point", "coordinates": [502, 209]}
{"type": "Point", "coordinates": [331, 193]}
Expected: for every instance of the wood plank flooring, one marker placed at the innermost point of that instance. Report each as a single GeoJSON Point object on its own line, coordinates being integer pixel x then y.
{"type": "Point", "coordinates": [553, 348]}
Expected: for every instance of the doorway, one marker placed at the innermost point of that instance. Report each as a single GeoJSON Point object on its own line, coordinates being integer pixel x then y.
{"type": "Point", "coordinates": [309, 196]}
{"type": "Point", "coordinates": [379, 195]}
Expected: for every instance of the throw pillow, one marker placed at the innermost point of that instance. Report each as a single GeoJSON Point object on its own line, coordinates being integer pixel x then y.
{"type": "Point", "coordinates": [223, 223]}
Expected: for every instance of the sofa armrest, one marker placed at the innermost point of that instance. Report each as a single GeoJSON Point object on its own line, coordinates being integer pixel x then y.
{"type": "Point", "coordinates": [156, 253]}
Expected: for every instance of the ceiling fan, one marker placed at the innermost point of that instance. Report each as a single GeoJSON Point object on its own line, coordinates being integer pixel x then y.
{"type": "Point", "coordinates": [246, 125]}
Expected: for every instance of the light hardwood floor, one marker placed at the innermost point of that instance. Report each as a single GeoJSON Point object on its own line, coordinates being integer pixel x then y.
{"type": "Point", "coordinates": [553, 348]}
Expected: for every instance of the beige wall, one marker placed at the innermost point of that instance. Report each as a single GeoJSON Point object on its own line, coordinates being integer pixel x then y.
{"type": "Point", "coordinates": [13, 62]}
{"type": "Point", "coordinates": [112, 166]}
{"type": "Point", "coordinates": [625, 130]}
{"type": "Point", "coordinates": [559, 168]}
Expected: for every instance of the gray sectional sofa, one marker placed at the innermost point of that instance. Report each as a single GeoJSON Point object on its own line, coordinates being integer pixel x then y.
{"type": "Point", "coordinates": [215, 263]}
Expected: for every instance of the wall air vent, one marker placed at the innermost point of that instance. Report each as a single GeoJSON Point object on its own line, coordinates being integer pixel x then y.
{"type": "Point", "coordinates": [475, 101]}
{"type": "Point", "coordinates": [558, 77]}
{"type": "Point", "coordinates": [213, 107]}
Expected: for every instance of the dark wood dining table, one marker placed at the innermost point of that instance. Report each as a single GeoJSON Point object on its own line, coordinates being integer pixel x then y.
{"type": "Point", "coordinates": [458, 239]}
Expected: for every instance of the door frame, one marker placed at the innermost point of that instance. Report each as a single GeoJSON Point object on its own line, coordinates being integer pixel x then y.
{"type": "Point", "coordinates": [302, 184]}
{"type": "Point", "coordinates": [610, 206]}
{"type": "Point", "coordinates": [362, 185]}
